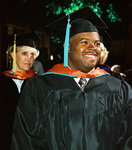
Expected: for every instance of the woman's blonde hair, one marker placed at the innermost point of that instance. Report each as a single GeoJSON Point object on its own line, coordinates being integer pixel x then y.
{"type": "Point", "coordinates": [8, 56]}
{"type": "Point", "coordinates": [105, 54]}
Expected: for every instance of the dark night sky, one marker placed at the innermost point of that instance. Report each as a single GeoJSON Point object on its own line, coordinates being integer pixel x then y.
{"type": "Point", "coordinates": [34, 11]}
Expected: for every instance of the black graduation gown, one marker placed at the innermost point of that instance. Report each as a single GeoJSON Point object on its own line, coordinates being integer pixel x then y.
{"type": "Point", "coordinates": [54, 114]}
{"type": "Point", "coordinates": [9, 96]}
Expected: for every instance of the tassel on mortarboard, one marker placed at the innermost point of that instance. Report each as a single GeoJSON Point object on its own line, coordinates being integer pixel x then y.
{"type": "Point", "coordinates": [14, 55]}
{"type": "Point", "coordinates": [66, 47]}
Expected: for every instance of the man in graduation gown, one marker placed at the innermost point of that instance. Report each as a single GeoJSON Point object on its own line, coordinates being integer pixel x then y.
{"type": "Point", "coordinates": [56, 112]}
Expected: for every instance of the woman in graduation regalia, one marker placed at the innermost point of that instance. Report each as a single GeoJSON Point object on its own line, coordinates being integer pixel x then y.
{"type": "Point", "coordinates": [21, 55]}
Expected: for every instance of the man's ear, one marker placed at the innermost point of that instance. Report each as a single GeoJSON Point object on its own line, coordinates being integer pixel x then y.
{"type": "Point", "coordinates": [68, 48]}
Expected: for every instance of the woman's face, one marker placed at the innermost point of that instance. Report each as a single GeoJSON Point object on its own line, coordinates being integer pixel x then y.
{"type": "Point", "coordinates": [24, 58]}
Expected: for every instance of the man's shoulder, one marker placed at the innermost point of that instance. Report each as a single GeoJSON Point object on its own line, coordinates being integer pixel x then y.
{"type": "Point", "coordinates": [116, 82]}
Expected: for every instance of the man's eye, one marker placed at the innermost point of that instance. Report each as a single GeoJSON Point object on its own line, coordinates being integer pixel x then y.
{"type": "Point", "coordinates": [97, 44]}
{"type": "Point", "coordinates": [84, 42]}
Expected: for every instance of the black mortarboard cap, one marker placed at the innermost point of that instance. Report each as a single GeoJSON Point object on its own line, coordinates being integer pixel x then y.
{"type": "Point", "coordinates": [105, 37]}
{"type": "Point", "coordinates": [25, 39]}
{"type": "Point", "coordinates": [82, 20]}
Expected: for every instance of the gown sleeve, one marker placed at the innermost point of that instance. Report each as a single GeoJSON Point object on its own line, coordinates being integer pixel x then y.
{"type": "Point", "coordinates": [125, 137]}
{"type": "Point", "coordinates": [4, 123]}
{"type": "Point", "coordinates": [27, 130]}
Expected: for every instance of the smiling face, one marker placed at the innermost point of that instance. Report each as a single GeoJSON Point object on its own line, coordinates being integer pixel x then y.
{"type": "Point", "coordinates": [24, 58]}
{"type": "Point", "coordinates": [84, 51]}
